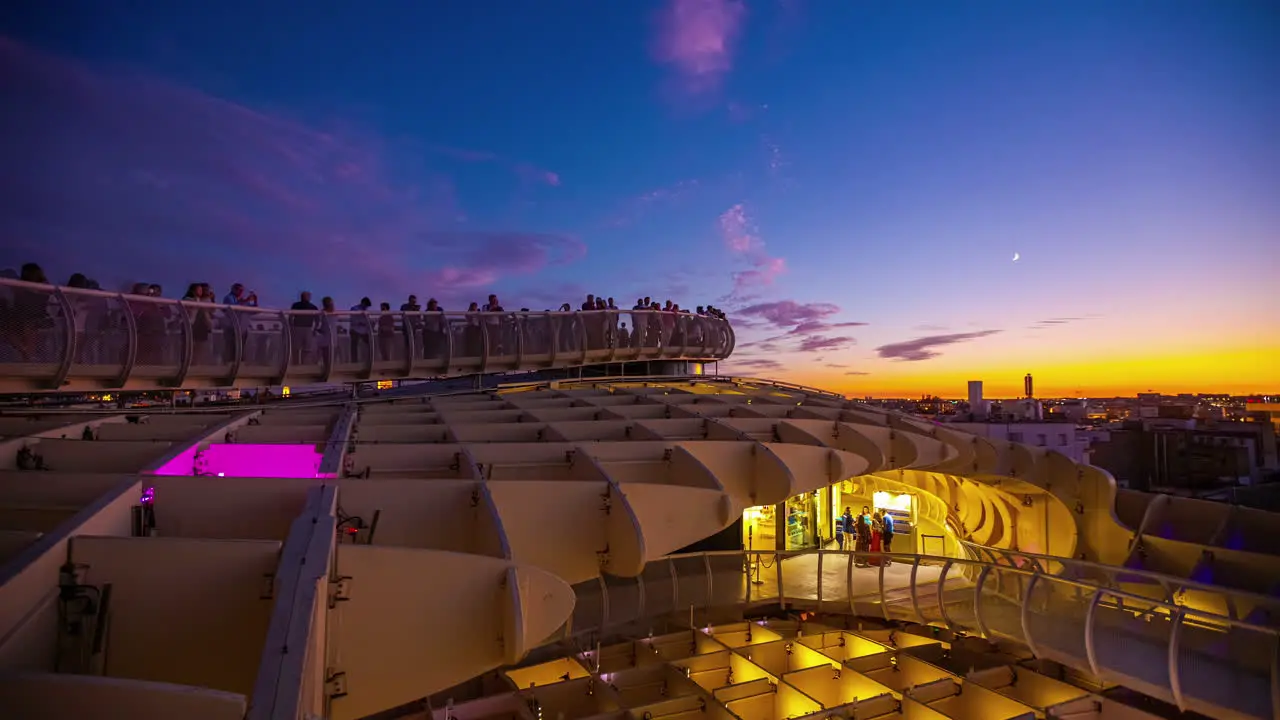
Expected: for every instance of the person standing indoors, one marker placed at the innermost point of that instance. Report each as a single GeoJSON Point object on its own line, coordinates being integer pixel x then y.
{"type": "Point", "coordinates": [887, 535]}
{"type": "Point", "coordinates": [876, 534]}
{"type": "Point", "coordinates": [862, 525]}
{"type": "Point", "coordinates": [845, 522]}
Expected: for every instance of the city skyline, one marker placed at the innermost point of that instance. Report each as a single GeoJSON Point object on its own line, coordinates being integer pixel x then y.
{"type": "Point", "coordinates": [851, 182]}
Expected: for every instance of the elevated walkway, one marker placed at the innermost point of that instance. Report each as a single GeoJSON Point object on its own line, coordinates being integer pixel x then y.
{"type": "Point", "coordinates": [57, 338]}
{"type": "Point", "coordinates": [1198, 661]}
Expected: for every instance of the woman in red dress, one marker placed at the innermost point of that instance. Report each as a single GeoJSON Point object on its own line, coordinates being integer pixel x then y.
{"type": "Point", "coordinates": [877, 526]}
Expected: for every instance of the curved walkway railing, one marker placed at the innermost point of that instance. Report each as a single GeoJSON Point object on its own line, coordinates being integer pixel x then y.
{"type": "Point", "coordinates": [58, 338]}
{"type": "Point", "coordinates": [1198, 660]}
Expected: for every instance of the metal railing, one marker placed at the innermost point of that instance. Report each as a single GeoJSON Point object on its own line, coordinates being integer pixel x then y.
{"type": "Point", "coordinates": [1197, 659]}
{"type": "Point", "coordinates": [59, 338]}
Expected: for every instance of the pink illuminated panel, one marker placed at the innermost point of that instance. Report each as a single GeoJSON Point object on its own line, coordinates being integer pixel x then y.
{"type": "Point", "coordinates": [236, 460]}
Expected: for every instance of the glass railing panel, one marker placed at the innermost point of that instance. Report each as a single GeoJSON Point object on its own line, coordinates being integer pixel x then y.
{"type": "Point", "coordinates": [600, 328]}
{"type": "Point", "coordinates": [467, 336]}
{"type": "Point", "coordinates": [161, 337]}
{"type": "Point", "coordinates": [691, 581]}
{"type": "Point", "coordinates": [762, 576]}
{"type": "Point", "coordinates": [625, 602]}
{"type": "Point", "coordinates": [1055, 616]}
{"type": "Point", "coordinates": [34, 331]}
{"type": "Point", "coordinates": [589, 606]}
{"type": "Point", "coordinates": [1224, 666]}
{"type": "Point", "coordinates": [1000, 602]}
{"type": "Point", "coordinates": [928, 573]}
{"type": "Point", "coordinates": [502, 338]}
{"type": "Point", "coordinates": [837, 576]}
{"type": "Point", "coordinates": [568, 342]}
{"type": "Point", "coordinates": [213, 340]}
{"type": "Point", "coordinates": [1123, 637]}
{"type": "Point", "coordinates": [537, 332]}
{"type": "Point", "coordinates": [659, 589]}
{"type": "Point", "coordinates": [729, 579]}
{"type": "Point", "coordinates": [389, 342]}
{"type": "Point", "coordinates": [263, 339]}
{"type": "Point", "coordinates": [309, 342]}
{"type": "Point", "coordinates": [955, 592]}
{"type": "Point", "coordinates": [102, 336]}
{"type": "Point", "coordinates": [354, 350]}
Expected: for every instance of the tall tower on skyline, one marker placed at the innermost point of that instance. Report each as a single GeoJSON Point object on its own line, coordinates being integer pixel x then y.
{"type": "Point", "coordinates": [1029, 386]}
{"type": "Point", "coordinates": [977, 405]}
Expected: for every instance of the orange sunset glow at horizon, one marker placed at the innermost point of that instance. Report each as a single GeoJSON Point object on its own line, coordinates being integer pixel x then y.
{"type": "Point", "coordinates": [1244, 371]}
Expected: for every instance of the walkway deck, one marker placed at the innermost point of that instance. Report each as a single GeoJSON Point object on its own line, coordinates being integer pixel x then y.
{"type": "Point", "coordinates": [1199, 662]}
{"type": "Point", "coordinates": [56, 338]}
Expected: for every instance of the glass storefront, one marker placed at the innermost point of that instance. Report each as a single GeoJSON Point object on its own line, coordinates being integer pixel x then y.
{"type": "Point", "coordinates": [807, 521]}
{"type": "Point", "coordinates": [759, 528]}
{"type": "Point", "coordinates": [802, 522]}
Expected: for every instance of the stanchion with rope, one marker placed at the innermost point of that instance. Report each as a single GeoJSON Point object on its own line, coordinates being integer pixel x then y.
{"type": "Point", "coordinates": [754, 572]}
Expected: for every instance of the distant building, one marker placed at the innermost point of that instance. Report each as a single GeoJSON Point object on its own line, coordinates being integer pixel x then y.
{"type": "Point", "coordinates": [977, 405]}
{"type": "Point", "coordinates": [1060, 436]}
{"type": "Point", "coordinates": [1179, 455]}
{"type": "Point", "coordinates": [1029, 386]}
{"type": "Point", "coordinates": [1264, 413]}
{"type": "Point", "coordinates": [1076, 411]}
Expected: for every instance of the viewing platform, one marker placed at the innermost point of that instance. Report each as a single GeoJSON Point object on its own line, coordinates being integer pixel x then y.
{"type": "Point", "coordinates": [67, 339]}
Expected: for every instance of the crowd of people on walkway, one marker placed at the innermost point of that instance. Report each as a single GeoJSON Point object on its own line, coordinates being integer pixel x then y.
{"type": "Point", "coordinates": [235, 324]}
{"type": "Point", "coordinates": [867, 531]}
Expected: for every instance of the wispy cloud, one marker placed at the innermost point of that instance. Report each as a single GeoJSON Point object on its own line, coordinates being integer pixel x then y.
{"type": "Point", "coordinates": [1054, 322]}
{"type": "Point", "coordinates": [756, 364]}
{"type": "Point", "coordinates": [818, 343]}
{"type": "Point", "coordinates": [786, 314]}
{"type": "Point", "coordinates": [636, 208]}
{"type": "Point", "coordinates": [525, 171]}
{"type": "Point", "coordinates": [697, 39]}
{"type": "Point", "coordinates": [923, 348]}
{"type": "Point", "coordinates": [837, 365]}
{"type": "Point", "coordinates": [467, 260]}
{"type": "Point", "coordinates": [138, 178]}
{"type": "Point", "coordinates": [741, 237]}
{"type": "Point", "coordinates": [857, 372]}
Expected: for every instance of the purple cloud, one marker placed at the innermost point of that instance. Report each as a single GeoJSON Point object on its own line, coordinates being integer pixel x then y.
{"type": "Point", "coordinates": [742, 239]}
{"type": "Point", "coordinates": [527, 172]}
{"type": "Point", "coordinates": [697, 38]}
{"type": "Point", "coordinates": [789, 313]}
{"type": "Point", "coordinates": [923, 348]}
{"type": "Point", "coordinates": [136, 178]}
{"type": "Point", "coordinates": [1054, 322]}
{"type": "Point", "coordinates": [637, 207]}
{"type": "Point", "coordinates": [813, 327]}
{"type": "Point", "coordinates": [818, 343]}
{"type": "Point", "coordinates": [757, 364]}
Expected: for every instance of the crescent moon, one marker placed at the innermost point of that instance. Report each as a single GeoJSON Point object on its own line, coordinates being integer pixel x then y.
{"type": "Point", "coordinates": [1016, 257]}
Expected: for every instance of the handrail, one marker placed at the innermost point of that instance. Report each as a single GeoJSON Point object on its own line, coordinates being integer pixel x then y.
{"type": "Point", "coordinates": [1174, 580]}
{"type": "Point", "coordinates": [1214, 649]}
{"type": "Point", "coordinates": [909, 558]}
{"type": "Point", "coordinates": [59, 338]}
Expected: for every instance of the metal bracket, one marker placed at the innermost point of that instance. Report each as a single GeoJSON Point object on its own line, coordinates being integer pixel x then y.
{"type": "Point", "coordinates": [339, 590]}
{"type": "Point", "coordinates": [268, 591]}
{"type": "Point", "coordinates": [335, 685]}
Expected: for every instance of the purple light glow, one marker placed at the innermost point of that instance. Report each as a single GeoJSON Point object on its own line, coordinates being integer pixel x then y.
{"type": "Point", "coordinates": [237, 460]}
{"type": "Point", "coordinates": [148, 496]}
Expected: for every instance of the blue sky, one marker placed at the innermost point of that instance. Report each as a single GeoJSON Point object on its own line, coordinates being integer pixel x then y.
{"type": "Point", "coordinates": [885, 159]}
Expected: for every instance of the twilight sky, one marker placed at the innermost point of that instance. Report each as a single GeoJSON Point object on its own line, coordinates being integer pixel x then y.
{"type": "Point", "coordinates": [849, 179]}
